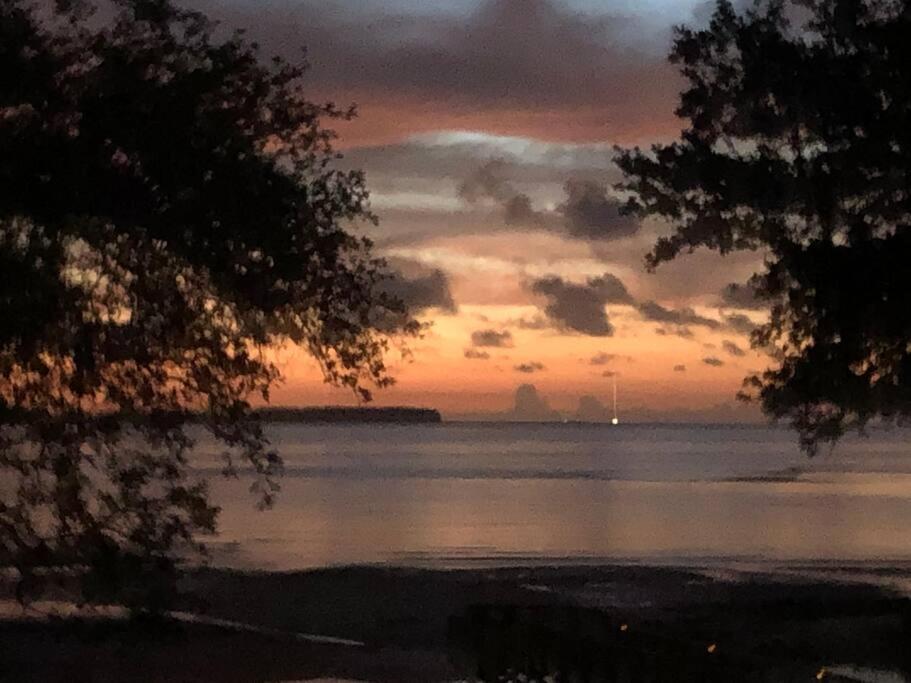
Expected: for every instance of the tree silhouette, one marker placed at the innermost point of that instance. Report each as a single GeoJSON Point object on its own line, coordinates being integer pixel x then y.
{"type": "Point", "coordinates": [798, 146]}
{"type": "Point", "coordinates": [169, 208]}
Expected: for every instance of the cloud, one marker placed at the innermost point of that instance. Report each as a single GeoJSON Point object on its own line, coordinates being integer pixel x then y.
{"type": "Point", "coordinates": [732, 348]}
{"type": "Point", "coordinates": [537, 323]}
{"type": "Point", "coordinates": [675, 330]}
{"type": "Point", "coordinates": [680, 368]}
{"type": "Point", "coordinates": [474, 354]}
{"type": "Point", "coordinates": [737, 322]}
{"type": "Point", "coordinates": [589, 213]}
{"type": "Point", "coordinates": [529, 368]}
{"type": "Point", "coordinates": [581, 307]}
{"type": "Point", "coordinates": [592, 410]}
{"type": "Point", "coordinates": [532, 58]}
{"type": "Point", "coordinates": [487, 183]}
{"type": "Point", "coordinates": [530, 406]}
{"type": "Point", "coordinates": [742, 296]}
{"type": "Point", "coordinates": [651, 310]}
{"type": "Point", "coordinates": [492, 338]}
{"type": "Point", "coordinates": [519, 211]}
{"type": "Point", "coordinates": [602, 358]}
{"type": "Point", "coordinates": [419, 287]}
{"type": "Point", "coordinates": [610, 373]}
{"type": "Point", "coordinates": [714, 362]}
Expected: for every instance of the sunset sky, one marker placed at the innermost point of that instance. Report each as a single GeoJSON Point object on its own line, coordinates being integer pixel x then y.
{"type": "Point", "coordinates": [486, 129]}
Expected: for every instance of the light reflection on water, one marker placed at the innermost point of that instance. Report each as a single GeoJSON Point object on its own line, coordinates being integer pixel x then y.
{"type": "Point", "coordinates": [458, 494]}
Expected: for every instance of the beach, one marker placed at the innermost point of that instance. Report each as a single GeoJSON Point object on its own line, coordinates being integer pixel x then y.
{"type": "Point", "coordinates": [614, 623]}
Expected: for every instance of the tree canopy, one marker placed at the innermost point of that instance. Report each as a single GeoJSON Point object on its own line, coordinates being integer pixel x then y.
{"type": "Point", "coordinates": [169, 210]}
{"type": "Point", "coordinates": [798, 146]}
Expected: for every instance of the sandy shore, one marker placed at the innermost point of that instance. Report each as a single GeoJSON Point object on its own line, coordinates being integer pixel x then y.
{"type": "Point", "coordinates": [399, 625]}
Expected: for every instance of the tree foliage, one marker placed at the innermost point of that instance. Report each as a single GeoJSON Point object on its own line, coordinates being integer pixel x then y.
{"type": "Point", "coordinates": [798, 145]}
{"type": "Point", "coordinates": [169, 210]}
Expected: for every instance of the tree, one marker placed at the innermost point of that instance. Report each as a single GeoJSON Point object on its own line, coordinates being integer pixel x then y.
{"type": "Point", "coordinates": [798, 146]}
{"type": "Point", "coordinates": [169, 211]}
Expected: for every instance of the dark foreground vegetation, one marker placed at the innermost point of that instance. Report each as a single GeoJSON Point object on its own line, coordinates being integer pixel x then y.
{"type": "Point", "coordinates": [578, 624]}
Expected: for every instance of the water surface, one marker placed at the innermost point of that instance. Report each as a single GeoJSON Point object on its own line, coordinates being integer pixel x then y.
{"type": "Point", "coordinates": [459, 494]}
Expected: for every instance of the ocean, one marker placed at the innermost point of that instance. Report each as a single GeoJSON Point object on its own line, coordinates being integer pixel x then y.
{"type": "Point", "coordinates": [479, 494]}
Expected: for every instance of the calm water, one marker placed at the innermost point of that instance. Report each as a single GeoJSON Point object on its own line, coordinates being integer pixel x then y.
{"type": "Point", "coordinates": [462, 494]}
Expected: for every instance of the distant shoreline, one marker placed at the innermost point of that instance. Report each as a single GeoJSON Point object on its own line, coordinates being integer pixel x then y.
{"type": "Point", "coordinates": [341, 414]}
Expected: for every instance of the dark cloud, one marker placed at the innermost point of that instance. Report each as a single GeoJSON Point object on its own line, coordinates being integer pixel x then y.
{"type": "Point", "coordinates": [714, 362]}
{"type": "Point", "coordinates": [530, 54]}
{"type": "Point", "coordinates": [419, 287]}
{"type": "Point", "coordinates": [589, 213]}
{"type": "Point", "coordinates": [492, 338]}
{"type": "Point", "coordinates": [610, 373]}
{"type": "Point", "coordinates": [581, 307]}
{"type": "Point", "coordinates": [681, 331]}
{"type": "Point", "coordinates": [741, 296]}
{"type": "Point", "coordinates": [529, 368]}
{"type": "Point", "coordinates": [530, 406]}
{"type": "Point", "coordinates": [651, 310]}
{"type": "Point", "coordinates": [732, 348]}
{"type": "Point", "coordinates": [519, 211]}
{"type": "Point", "coordinates": [592, 410]}
{"type": "Point", "coordinates": [487, 183]}
{"type": "Point", "coordinates": [537, 323]}
{"type": "Point", "coordinates": [739, 323]}
{"type": "Point", "coordinates": [602, 358]}
{"type": "Point", "coordinates": [474, 354]}
{"type": "Point", "coordinates": [679, 368]}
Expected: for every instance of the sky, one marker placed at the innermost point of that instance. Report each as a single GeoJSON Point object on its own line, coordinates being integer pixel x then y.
{"type": "Point", "coordinates": [486, 129]}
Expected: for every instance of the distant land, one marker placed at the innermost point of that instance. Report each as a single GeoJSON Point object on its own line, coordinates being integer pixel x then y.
{"type": "Point", "coordinates": [348, 414]}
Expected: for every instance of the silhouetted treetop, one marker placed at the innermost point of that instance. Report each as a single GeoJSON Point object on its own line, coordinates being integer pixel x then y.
{"type": "Point", "coordinates": [798, 146]}
{"type": "Point", "coordinates": [169, 211]}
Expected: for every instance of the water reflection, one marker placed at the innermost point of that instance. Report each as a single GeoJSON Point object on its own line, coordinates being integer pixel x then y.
{"type": "Point", "coordinates": [570, 493]}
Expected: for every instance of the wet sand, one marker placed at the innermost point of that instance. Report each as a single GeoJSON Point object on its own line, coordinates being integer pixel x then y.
{"type": "Point", "coordinates": [618, 623]}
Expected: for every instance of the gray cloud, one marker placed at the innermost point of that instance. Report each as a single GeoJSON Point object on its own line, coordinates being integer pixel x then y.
{"type": "Point", "coordinates": [651, 310]}
{"type": "Point", "coordinates": [610, 373]}
{"type": "Point", "coordinates": [581, 307]}
{"type": "Point", "coordinates": [741, 296]}
{"type": "Point", "coordinates": [529, 368]}
{"type": "Point", "coordinates": [519, 211]}
{"type": "Point", "coordinates": [680, 368]}
{"type": "Point", "coordinates": [589, 213]}
{"type": "Point", "coordinates": [681, 331]}
{"type": "Point", "coordinates": [739, 323]}
{"type": "Point", "coordinates": [532, 53]}
{"type": "Point", "coordinates": [714, 362]}
{"type": "Point", "coordinates": [530, 406]}
{"type": "Point", "coordinates": [602, 358]}
{"type": "Point", "coordinates": [487, 183]}
{"type": "Point", "coordinates": [474, 354]}
{"type": "Point", "coordinates": [732, 348]}
{"type": "Point", "coordinates": [419, 287]}
{"type": "Point", "coordinates": [592, 410]}
{"type": "Point", "coordinates": [492, 338]}
{"type": "Point", "coordinates": [537, 323]}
